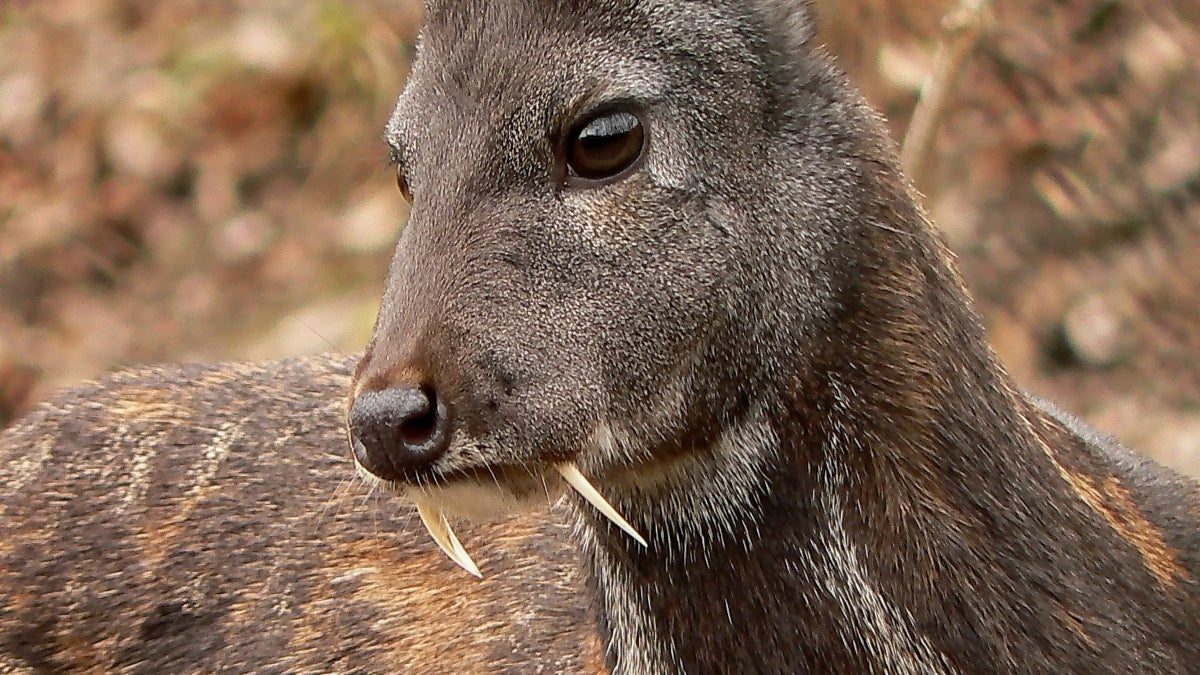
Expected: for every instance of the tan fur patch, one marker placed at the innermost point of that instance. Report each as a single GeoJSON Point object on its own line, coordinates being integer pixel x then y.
{"type": "Point", "coordinates": [1113, 502]}
{"type": "Point", "coordinates": [593, 656]}
{"type": "Point", "coordinates": [228, 373]}
{"type": "Point", "coordinates": [16, 596]}
{"type": "Point", "coordinates": [430, 613]}
{"type": "Point", "coordinates": [156, 541]}
{"type": "Point", "coordinates": [424, 614]}
{"type": "Point", "coordinates": [393, 377]}
{"type": "Point", "coordinates": [84, 655]}
{"type": "Point", "coordinates": [1129, 521]}
{"type": "Point", "coordinates": [146, 404]}
{"type": "Point", "coordinates": [8, 665]}
{"type": "Point", "coordinates": [17, 472]}
{"type": "Point", "coordinates": [1073, 623]}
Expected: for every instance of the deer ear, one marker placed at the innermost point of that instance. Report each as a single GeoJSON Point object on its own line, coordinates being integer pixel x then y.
{"type": "Point", "coordinates": [796, 20]}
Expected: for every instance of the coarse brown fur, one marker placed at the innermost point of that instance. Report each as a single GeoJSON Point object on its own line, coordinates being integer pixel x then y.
{"type": "Point", "coordinates": [204, 519]}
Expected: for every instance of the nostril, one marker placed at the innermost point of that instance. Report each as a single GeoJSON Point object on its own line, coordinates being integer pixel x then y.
{"type": "Point", "coordinates": [422, 426]}
{"type": "Point", "coordinates": [399, 431]}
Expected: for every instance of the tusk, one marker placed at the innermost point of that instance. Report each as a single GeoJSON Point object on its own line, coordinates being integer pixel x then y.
{"type": "Point", "coordinates": [464, 560]}
{"type": "Point", "coordinates": [439, 528]}
{"type": "Point", "coordinates": [570, 473]}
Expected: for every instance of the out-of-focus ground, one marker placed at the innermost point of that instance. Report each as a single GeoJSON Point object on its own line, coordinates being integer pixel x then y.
{"type": "Point", "coordinates": [203, 180]}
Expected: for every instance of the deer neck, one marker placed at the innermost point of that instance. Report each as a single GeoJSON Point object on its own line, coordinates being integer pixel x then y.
{"type": "Point", "coordinates": [825, 528]}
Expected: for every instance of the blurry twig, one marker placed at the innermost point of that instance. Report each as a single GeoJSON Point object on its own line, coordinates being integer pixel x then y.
{"type": "Point", "coordinates": [961, 30]}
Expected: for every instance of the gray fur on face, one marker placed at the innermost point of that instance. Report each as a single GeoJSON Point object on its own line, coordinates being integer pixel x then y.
{"type": "Point", "coordinates": [548, 314]}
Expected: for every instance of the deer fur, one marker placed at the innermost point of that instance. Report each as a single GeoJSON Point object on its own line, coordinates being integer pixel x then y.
{"type": "Point", "coordinates": [207, 519]}
{"type": "Point", "coordinates": [756, 346]}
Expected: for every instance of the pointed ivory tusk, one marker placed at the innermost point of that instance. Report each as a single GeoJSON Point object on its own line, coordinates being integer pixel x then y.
{"type": "Point", "coordinates": [464, 559]}
{"type": "Point", "coordinates": [439, 528]}
{"type": "Point", "coordinates": [570, 473]}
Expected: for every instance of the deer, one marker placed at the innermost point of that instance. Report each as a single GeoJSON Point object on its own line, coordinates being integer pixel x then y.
{"type": "Point", "coordinates": [670, 362]}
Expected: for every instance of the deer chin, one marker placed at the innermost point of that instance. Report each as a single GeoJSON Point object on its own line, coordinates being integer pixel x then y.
{"type": "Point", "coordinates": [468, 495]}
{"type": "Point", "coordinates": [480, 495]}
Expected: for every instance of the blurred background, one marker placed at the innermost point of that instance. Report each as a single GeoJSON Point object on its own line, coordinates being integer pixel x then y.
{"type": "Point", "coordinates": [203, 180]}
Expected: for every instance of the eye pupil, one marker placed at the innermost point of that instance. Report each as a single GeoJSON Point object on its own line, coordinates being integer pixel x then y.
{"type": "Point", "coordinates": [605, 146]}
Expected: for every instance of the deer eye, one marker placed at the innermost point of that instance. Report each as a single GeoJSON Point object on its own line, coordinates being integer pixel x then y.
{"type": "Point", "coordinates": [604, 147]}
{"type": "Point", "coordinates": [402, 183]}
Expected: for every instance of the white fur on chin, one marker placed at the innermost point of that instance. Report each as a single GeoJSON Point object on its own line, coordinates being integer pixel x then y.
{"type": "Point", "coordinates": [469, 500]}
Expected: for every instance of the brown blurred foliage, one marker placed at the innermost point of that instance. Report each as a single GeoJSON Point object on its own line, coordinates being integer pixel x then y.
{"type": "Point", "coordinates": [174, 177]}
{"type": "Point", "coordinates": [201, 180]}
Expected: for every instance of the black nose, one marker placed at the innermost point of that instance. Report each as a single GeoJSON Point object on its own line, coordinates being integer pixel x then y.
{"type": "Point", "coordinates": [398, 433]}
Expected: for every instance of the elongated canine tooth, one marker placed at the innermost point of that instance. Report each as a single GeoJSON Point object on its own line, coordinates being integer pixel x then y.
{"type": "Point", "coordinates": [570, 473]}
{"type": "Point", "coordinates": [439, 528]}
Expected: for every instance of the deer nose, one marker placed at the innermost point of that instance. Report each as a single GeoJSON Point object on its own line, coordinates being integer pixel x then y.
{"type": "Point", "coordinates": [400, 432]}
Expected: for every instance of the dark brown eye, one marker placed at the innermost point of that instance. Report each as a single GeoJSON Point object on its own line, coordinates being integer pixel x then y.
{"type": "Point", "coordinates": [605, 146]}
{"type": "Point", "coordinates": [402, 183]}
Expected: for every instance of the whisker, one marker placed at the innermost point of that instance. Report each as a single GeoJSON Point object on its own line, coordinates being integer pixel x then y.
{"type": "Point", "coordinates": [323, 338]}
{"type": "Point", "coordinates": [495, 479]}
{"type": "Point", "coordinates": [339, 493]}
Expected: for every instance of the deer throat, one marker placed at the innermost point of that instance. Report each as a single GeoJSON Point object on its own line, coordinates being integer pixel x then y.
{"type": "Point", "coordinates": [751, 566]}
